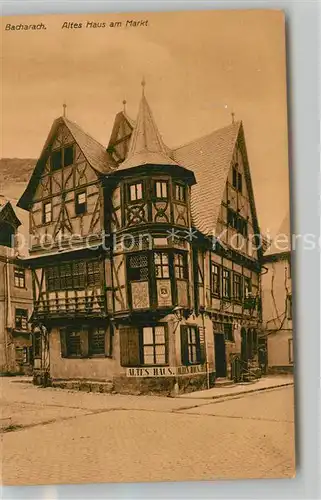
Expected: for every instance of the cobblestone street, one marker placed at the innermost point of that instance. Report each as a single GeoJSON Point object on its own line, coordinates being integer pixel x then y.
{"type": "Point", "coordinates": [57, 436]}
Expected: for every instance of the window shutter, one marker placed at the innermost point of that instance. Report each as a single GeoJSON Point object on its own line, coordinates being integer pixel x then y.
{"type": "Point", "coordinates": [201, 345]}
{"type": "Point", "coordinates": [84, 343]}
{"type": "Point", "coordinates": [184, 345]}
{"type": "Point", "coordinates": [63, 343]}
{"type": "Point", "coordinates": [129, 347]}
{"type": "Point", "coordinates": [108, 341]}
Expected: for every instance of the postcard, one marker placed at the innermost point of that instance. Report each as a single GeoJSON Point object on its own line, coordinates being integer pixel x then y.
{"type": "Point", "coordinates": [145, 248]}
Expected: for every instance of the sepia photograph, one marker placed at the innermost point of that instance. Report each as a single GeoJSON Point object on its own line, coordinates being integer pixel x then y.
{"type": "Point", "coordinates": [145, 249]}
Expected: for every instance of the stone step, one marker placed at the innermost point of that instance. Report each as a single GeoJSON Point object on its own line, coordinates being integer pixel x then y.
{"type": "Point", "coordinates": [224, 382]}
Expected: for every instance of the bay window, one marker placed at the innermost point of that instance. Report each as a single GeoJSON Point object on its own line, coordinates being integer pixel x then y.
{"type": "Point", "coordinates": [161, 190]}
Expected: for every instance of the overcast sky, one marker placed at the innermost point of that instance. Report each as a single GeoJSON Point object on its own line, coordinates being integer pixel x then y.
{"type": "Point", "coordinates": [199, 66]}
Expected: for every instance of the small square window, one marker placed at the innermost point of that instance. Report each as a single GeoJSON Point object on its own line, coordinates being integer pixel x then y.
{"type": "Point", "coordinates": [68, 156]}
{"type": "Point", "coordinates": [47, 213]}
{"type": "Point", "coordinates": [81, 203]}
{"type": "Point", "coordinates": [19, 278]}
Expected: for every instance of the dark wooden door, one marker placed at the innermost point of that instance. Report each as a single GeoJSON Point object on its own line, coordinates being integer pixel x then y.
{"type": "Point", "coordinates": [220, 355]}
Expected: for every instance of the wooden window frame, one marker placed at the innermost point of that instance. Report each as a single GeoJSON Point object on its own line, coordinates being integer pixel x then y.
{"type": "Point", "coordinates": [20, 316]}
{"type": "Point", "coordinates": [154, 344]}
{"type": "Point", "coordinates": [179, 188]}
{"type": "Point", "coordinates": [215, 291]}
{"type": "Point", "coordinates": [229, 274]}
{"type": "Point", "coordinates": [161, 183]}
{"type": "Point", "coordinates": [69, 147]}
{"type": "Point", "coordinates": [45, 213]}
{"type": "Point", "coordinates": [62, 153]}
{"type": "Point", "coordinates": [180, 266]}
{"type": "Point", "coordinates": [74, 332]}
{"type": "Point", "coordinates": [237, 283]}
{"type": "Point", "coordinates": [237, 178]}
{"type": "Point", "coordinates": [77, 278]}
{"type": "Point", "coordinates": [136, 200]}
{"type": "Point", "coordinates": [162, 266]}
{"type": "Point", "coordinates": [96, 331]}
{"type": "Point", "coordinates": [187, 349]}
{"type": "Point", "coordinates": [247, 289]}
{"type": "Point", "coordinates": [19, 277]}
{"type": "Point", "coordinates": [80, 208]}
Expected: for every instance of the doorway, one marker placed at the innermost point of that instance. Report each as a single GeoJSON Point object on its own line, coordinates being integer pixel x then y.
{"type": "Point", "coordinates": [220, 355]}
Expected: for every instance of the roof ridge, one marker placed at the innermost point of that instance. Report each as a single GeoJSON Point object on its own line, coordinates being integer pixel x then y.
{"type": "Point", "coordinates": [238, 122]}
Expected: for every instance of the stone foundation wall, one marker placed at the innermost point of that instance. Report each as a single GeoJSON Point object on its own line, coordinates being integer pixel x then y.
{"type": "Point", "coordinates": [162, 385]}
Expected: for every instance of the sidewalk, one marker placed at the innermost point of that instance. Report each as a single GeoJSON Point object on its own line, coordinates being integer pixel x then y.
{"type": "Point", "coordinates": [262, 384]}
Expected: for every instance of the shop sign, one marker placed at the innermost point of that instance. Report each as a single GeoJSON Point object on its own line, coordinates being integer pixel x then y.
{"type": "Point", "coordinates": [165, 371]}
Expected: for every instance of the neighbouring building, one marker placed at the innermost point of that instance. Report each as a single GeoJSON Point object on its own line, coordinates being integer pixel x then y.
{"type": "Point", "coordinates": [145, 268]}
{"type": "Point", "coordinates": [16, 302]}
{"type": "Point", "coordinates": [277, 302]}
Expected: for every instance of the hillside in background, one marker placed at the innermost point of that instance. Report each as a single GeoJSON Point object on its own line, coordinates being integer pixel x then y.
{"type": "Point", "coordinates": [16, 169]}
{"type": "Point", "coordinates": [14, 176]}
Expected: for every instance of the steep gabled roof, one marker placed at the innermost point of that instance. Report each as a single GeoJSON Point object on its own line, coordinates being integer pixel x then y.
{"type": "Point", "coordinates": [210, 159]}
{"type": "Point", "coordinates": [146, 144]}
{"type": "Point", "coordinates": [285, 241]}
{"type": "Point", "coordinates": [94, 152]}
{"type": "Point", "coordinates": [8, 215]}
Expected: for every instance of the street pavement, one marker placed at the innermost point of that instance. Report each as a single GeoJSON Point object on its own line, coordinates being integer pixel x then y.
{"type": "Point", "coordinates": [54, 436]}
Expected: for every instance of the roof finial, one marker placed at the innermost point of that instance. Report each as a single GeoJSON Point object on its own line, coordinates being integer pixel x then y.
{"type": "Point", "coordinates": [64, 109]}
{"type": "Point", "coordinates": [233, 116]}
{"type": "Point", "coordinates": [124, 105]}
{"type": "Point", "coordinates": [143, 85]}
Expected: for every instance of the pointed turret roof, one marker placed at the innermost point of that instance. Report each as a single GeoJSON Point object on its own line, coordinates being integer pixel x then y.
{"type": "Point", "coordinates": [146, 145]}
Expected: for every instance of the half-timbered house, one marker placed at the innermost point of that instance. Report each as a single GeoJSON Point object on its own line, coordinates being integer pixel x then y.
{"type": "Point", "coordinates": [146, 271]}
{"type": "Point", "coordinates": [15, 298]}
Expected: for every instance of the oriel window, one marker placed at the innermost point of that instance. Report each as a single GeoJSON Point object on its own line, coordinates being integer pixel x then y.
{"type": "Point", "coordinates": [180, 192]}
{"type": "Point", "coordinates": [161, 190]}
{"type": "Point", "coordinates": [138, 267]}
{"type": "Point", "coordinates": [161, 265]}
{"type": "Point", "coordinates": [47, 212]}
{"type": "Point", "coordinates": [226, 282]}
{"type": "Point", "coordinates": [154, 345]}
{"type": "Point", "coordinates": [180, 265]}
{"type": "Point", "coordinates": [135, 191]}
{"type": "Point", "coordinates": [81, 202]}
{"type": "Point", "coordinates": [19, 277]}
